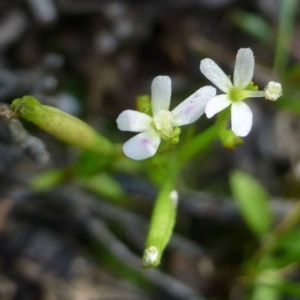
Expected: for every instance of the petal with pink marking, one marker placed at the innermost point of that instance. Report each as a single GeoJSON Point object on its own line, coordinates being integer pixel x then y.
{"type": "Point", "coordinates": [142, 146]}
{"type": "Point", "coordinates": [192, 108]}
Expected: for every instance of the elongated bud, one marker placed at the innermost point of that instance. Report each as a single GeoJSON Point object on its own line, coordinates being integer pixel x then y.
{"type": "Point", "coordinates": [161, 225]}
{"type": "Point", "coordinates": [62, 125]}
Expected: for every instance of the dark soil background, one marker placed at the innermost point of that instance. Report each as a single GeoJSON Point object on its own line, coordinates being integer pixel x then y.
{"type": "Point", "coordinates": [92, 58]}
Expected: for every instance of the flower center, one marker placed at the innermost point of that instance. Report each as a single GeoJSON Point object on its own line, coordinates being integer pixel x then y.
{"type": "Point", "coordinates": [163, 122]}
{"type": "Point", "coordinates": [236, 94]}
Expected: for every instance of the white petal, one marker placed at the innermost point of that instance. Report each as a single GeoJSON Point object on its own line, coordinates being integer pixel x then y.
{"type": "Point", "coordinates": [241, 118]}
{"type": "Point", "coordinates": [244, 68]}
{"type": "Point", "coordinates": [142, 146]}
{"type": "Point", "coordinates": [217, 104]}
{"type": "Point", "coordinates": [193, 107]}
{"type": "Point", "coordinates": [160, 93]}
{"type": "Point", "coordinates": [215, 74]}
{"type": "Point", "coordinates": [132, 120]}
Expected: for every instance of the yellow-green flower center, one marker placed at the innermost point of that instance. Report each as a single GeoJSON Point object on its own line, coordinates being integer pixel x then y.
{"type": "Point", "coordinates": [236, 94]}
{"type": "Point", "coordinates": [164, 124]}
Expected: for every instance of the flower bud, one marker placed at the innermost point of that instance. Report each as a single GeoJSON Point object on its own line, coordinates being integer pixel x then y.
{"type": "Point", "coordinates": [62, 125]}
{"type": "Point", "coordinates": [273, 90]}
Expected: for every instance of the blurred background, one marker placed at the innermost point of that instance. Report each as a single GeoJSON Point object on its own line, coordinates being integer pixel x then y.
{"type": "Point", "coordinates": [92, 58]}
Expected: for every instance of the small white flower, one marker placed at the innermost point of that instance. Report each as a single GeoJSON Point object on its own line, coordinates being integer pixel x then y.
{"type": "Point", "coordinates": [236, 91]}
{"type": "Point", "coordinates": [273, 90]}
{"type": "Point", "coordinates": [164, 123]}
{"type": "Point", "coordinates": [150, 256]}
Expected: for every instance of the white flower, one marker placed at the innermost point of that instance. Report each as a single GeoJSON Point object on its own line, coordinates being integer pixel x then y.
{"type": "Point", "coordinates": [150, 256]}
{"type": "Point", "coordinates": [273, 90]}
{"type": "Point", "coordinates": [236, 91]}
{"type": "Point", "coordinates": [164, 123]}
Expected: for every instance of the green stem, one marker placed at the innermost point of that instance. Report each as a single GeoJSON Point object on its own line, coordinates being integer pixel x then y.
{"type": "Point", "coordinates": [198, 143]}
{"type": "Point", "coordinates": [201, 141]}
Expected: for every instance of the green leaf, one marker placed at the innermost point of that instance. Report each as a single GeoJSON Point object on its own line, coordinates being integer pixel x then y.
{"type": "Point", "coordinates": [290, 288]}
{"type": "Point", "coordinates": [266, 286]}
{"type": "Point", "coordinates": [253, 202]}
{"type": "Point", "coordinates": [254, 24]}
{"type": "Point", "coordinates": [48, 180]}
{"type": "Point", "coordinates": [270, 285]}
{"type": "Point", "coordinates": [285, 251]}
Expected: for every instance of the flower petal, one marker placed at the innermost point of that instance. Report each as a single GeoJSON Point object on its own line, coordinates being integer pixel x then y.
{"type": "Point", "coordinates": [193, 107]}
{"type": "Point", "coordinates": [244, 68]}
{"type": "Point", "coordinates": [241, 118]}
{"type": "Point", "coordinates": [142, 146]}
{"type": "Point", "coordinates": [160, 93]}
{"type": "Point", "coordinates": [215, 74]}
{"type": "Point", "coordinates": [217, 104]}
{"type": "Point", "coordinates": [132, 120]}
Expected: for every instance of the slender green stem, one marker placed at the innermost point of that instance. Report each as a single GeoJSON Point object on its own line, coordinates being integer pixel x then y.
{"type": "Point", "coordinates": [198, 143]}
{"type": "Point", "coordinates": [255, 94]}
{"type": "Point", "coordinates": [201, 141]}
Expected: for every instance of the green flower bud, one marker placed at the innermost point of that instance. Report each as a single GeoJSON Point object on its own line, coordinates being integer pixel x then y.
{"type": "Point", "coordinates": [174, 140]}
{"type": "Point", "coordinates": [62, 125]}
{"type": "Point", "coordinates": [161, 225]}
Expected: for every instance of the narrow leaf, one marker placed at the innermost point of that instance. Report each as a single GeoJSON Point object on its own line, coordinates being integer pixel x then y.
{"type": "Point", "coordinates": [253, 202]}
